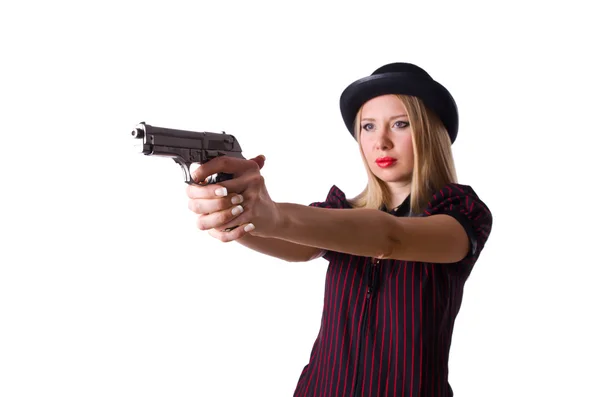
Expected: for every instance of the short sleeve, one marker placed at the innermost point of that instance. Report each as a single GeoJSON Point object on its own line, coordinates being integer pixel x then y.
{"type": "Point", "coordinates": [336, 199]}
{"type": "Point", "coordinates": [462, 203]}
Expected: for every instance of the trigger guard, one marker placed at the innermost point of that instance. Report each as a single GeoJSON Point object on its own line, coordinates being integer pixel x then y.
{"type": "Point", "coordinates": [187, 175]}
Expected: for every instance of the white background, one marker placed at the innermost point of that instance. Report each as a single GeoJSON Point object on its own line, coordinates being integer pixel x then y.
{"type": "Point", "coordinates": [107, 288]}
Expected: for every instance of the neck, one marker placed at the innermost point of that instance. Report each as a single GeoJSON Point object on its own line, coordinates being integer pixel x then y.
{"type": "Point", "coordinates": [399, 192]}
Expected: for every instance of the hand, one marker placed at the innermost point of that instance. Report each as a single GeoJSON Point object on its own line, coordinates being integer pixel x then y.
{"type": "Point", "coordinates": [260, 216]}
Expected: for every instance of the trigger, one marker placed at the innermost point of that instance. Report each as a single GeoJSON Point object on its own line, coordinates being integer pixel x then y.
{"type": "Point", "coordinates": [185, 167]}
{"type": "Point", "coordinates": [187, 177]}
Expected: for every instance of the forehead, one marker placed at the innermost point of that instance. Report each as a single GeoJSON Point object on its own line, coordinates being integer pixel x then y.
{"type": "Point", "coordinates": [382, 105]}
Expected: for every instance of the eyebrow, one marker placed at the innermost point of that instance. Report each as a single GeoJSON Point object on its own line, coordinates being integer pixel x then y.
{"type": "Point", "coordinates": [394, 117]}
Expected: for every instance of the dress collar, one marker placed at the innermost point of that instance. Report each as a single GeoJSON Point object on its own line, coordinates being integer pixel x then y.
{"type": "Point", "coordinates": [401, 210]}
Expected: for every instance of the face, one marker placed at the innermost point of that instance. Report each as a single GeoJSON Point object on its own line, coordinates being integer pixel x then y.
{"type": "Point", "coordinates": [386, 139]}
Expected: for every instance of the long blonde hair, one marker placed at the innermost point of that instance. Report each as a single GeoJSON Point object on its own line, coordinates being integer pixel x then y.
{"type": "Point", "coordinates": [433, 165]}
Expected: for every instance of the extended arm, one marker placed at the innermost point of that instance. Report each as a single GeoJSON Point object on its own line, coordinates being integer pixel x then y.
{"type": "Point", "coordinates": [437, 238]}
{"type": "Point", "coordinates": [285, 250]}
{"type": "Point", "coordinates": [373, 233]}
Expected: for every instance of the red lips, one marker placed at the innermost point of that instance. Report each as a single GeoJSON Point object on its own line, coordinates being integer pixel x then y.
{"type": "Point", "coordinates": [384, 162]}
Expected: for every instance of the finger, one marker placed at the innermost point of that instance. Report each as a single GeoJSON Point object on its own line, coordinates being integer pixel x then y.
{"type": "Point", "coordinates": [260, 160]}
{"type": "Point", "coordinates": [208, 206]}
{"type": "Point", "coordinates": [235, 234]}
{"type": "Point", "coordinates": [206, 192]}
{"type": "Point", "coordinates": [219, 219]}
{"type": "Point", "coordinates": [246, 184]}
{"type": "Point", "coordinates": [224, 164]}
{"type": "Point", "coordinates": [241, 218]}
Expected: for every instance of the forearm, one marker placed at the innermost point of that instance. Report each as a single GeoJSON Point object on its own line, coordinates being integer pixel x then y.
{"type": "Point", "coordinates": [362, 232]}
{"type": "Point", "coordinates": [285, 250]}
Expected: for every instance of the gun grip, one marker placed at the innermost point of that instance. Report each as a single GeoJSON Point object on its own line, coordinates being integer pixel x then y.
{"type": "Point", "coordinates": [215, 178]}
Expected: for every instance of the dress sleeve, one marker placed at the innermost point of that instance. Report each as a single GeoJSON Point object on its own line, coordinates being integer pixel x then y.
{"type": "Point", "coordinates": [336, 199]}
{"type": "Point", "coordinates": [462, 203]}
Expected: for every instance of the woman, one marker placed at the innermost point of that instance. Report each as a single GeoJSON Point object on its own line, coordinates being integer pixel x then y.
{"type": "Point", "coordinates": [397, 262]}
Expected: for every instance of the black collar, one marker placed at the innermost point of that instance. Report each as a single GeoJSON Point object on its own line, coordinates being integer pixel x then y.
{"type": "Point", "coordinates": [401, 210]}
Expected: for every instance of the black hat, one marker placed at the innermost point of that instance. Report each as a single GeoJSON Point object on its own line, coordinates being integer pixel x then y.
{"type": "Point", "coordinates": [405, 79]}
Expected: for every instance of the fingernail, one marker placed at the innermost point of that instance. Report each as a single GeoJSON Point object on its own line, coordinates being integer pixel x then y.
{"type": "Point", "coordinates": [249, 227]}
{"type": "Point", "coordinates": [237, 210]}
{"type": "Point", "coordinates": [237, 199]}
{"type": "Point", "coordinates": [221, 192]}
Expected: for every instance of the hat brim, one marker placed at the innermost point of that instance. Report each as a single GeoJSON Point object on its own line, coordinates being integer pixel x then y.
{"type": "Point", "coordinates": [434, 96]}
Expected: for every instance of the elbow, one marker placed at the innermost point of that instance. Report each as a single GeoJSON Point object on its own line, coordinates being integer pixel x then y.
{"type": "Point", "coordinates": [435, 239]}
{"type": "Point", "coordinates": [319, 253]}
{"type": "Point", "coordinates": [393, 242]}
{"type": "Point", "coordinates": [312, 254]}
{"type": "Point", "coordinates": [390, 249]}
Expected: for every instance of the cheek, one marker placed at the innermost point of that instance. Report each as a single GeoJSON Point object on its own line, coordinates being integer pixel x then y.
{"type": "Point", "coordinates": [365, 147]}
{"type": "Point", "coordinates": [406, 146]}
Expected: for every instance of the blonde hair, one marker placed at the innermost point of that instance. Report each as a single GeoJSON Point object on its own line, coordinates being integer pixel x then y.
{"type": "Point", "coordinates": [433, 165]}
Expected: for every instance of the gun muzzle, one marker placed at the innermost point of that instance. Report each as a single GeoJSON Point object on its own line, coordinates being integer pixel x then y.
{"type": "Point", "coordinates": [139, 130]}
{"type": "Point", "coordinates": [139, 134]}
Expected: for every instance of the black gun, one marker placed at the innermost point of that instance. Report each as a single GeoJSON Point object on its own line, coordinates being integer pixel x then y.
{"type": "Point", "coordinates": [187, 147]}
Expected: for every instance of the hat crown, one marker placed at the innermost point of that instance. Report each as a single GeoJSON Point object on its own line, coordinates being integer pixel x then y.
{"type": "Point", "coordinates": [405, 79]}
{"type": "Point", "coordinates": [401, 67]}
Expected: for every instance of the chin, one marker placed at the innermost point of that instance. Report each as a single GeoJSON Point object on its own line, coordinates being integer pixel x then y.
{"type": "Point", "coordinates": [388, 177]}
{"type": "Point", "coordinates": [395, 176]}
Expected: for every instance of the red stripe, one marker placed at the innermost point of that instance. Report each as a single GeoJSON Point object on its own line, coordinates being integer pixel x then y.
{"type": "Point", "coordinates": [373, 350]}
{"type": "Point", "coordinates": [421, 327]}
{"type": "Point", "coordinates": [387, 384]}
{"type": "Point", "coordinates": [352, 344]}
{"type": "Point", "coordinates": [397, 358]}
{"type": "Point", "coordinates": [335, 325]}
{"type": "Point", "coordinates": [365, 348]}
{"type": "Point", "coordinates": [349, 296]}
{"type": "Point", "coordinates": [383, 333]}
{"type": "Point", "coordinates": [365, 345]}
{"type": "Point", "coordinates": [359, 325]}
{"type": "Point", "coordinates": [328, 331]}
{"type": "Point", "coordinates": [323, 344]}
{"type": "Point", "coordinates": [412, 365]}
{"type": "Point", "coordinates": [434, 344]}
{"type": "Point", "coordinates": [404, 306]}
{"type": "Point", "coordinates": [337, 332]}
{"type": "Point", "coordinates": [332, 321]}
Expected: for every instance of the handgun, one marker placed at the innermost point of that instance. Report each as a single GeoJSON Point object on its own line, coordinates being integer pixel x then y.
{"type": "Point", "coordinates": [186, 148]}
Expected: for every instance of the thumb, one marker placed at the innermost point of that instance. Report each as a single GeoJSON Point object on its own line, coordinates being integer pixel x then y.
{"type": "Point", "coordinates": [260, 160]}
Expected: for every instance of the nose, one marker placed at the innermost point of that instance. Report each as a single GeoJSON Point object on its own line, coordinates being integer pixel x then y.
{"type": "Point", "coordinates": [383, 141]}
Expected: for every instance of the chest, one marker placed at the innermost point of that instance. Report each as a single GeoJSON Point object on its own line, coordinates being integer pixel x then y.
{"type": "Point", "coordinates": [353, 282]}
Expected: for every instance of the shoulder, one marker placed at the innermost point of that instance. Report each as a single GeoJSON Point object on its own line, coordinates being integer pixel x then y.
{"type": "Point", "coordinates": [455, 196]}
{"type": "Point", "coordinates": [335, 198]}
{"type": "Point", "coordinates": [462, 203]}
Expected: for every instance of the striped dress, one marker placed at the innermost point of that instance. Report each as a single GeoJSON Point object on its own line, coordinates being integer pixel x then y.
{"type": "Point", "coordinates": [387, 325]}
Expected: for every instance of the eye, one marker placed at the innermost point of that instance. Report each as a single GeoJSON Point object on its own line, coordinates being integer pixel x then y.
{"type": "Point", "coordinates": [367, 126]}
{"type": "Point", "coordinates": [401, 124]}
